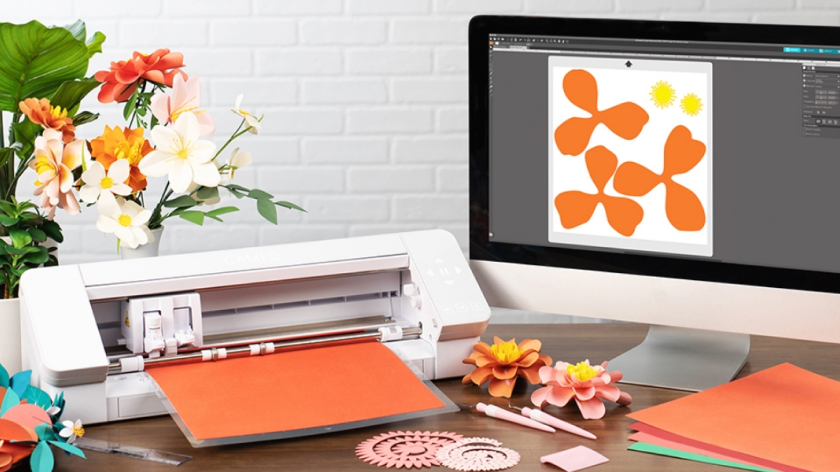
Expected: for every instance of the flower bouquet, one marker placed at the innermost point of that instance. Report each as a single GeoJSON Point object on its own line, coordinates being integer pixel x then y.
{"type": "Point", "coordinates": [41, 86]}
{"type": "Point", "coordinates": [30, 424]}
{"type": "Point", "coordinates": [160, 98]}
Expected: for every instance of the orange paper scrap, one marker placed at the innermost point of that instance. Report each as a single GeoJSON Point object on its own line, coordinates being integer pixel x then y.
{"type": "Point", "coordinates": [783, 414]}
{"type": "Point", "coordinates": [292, 390]}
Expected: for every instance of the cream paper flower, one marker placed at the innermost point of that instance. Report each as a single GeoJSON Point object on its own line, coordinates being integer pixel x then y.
{"type": "Point", "coordinates": [236, 160]}
{"type": "Point", "coordinates": [127, 220]}
{"type": "Point", "coordinates": [179, 153]}
{"type": "Point", "coordinates": [99, 182]}
{"type": "Point", "coordinates": [71, 430]}
{"type": "Point", "coordinates": [253, 122]}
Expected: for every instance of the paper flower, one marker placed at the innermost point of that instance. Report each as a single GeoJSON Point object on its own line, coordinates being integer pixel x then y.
{"type": "Point", "coordinates": [99, 182]}
{"type": "Point", "coordinates": [41, 113]}
{"type": "Point", "coordinates": [588, 385]}
{"type": "Point", "coordinates": [236, 160]}
{"type": "Point", "coordinates": [120, 81]}
{"type": "Point", "coordinates": [250, 120]}
{"type": "Point", "coordinates": [54, 163]}
{"type": "Point", "coordinates": [182, 155]}
{"type": "Point", "coordinates": [502, 362]}
{"type": "Point", "coordinates": [126, 219]}
{"type": "Point", "coordinates": [129, 144]}
{"type": "Point", "coordinates": [186, 97]}
{"type": "Point", "coordinates": [71, 430]}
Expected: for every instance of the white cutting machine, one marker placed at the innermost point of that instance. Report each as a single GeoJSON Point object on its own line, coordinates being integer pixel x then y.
{"type": "Point", "coordinates": [88, 330]}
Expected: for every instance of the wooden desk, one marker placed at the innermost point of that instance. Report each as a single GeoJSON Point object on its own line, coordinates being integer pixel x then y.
{"type": "Point", "coordinates": [571, 343]}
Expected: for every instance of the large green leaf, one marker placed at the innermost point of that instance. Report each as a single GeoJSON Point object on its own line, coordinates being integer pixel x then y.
{"type": "Point", "coordinates": [267, 209]}
{"type": "Point", "coordinates": [94, 43]}
{"type": "Point", "coordinates": [25, 134]}
{"type": "Point", "coordinates": [36, 60]}
{"type": "Point", "coordinates": [71, 93]}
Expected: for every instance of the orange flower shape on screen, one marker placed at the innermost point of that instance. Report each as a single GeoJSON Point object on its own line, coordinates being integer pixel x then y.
{"type": "Point", "coordinates": [626, 119]}
{"type": "Point", "coordinates": [120, 81]}
{"type": "Point", "coordinates": [49, 117]}
{"type": "Point", "coordinates": [503, 362]}
{"type": "Point", "coordinates": [128, 144]}
{"type": "Point", "coordinates": [682, 153]}
{"type": "Point", "coordinates": [576, 208]}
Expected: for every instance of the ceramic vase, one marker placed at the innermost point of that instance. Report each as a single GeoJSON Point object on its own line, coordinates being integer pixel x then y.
{"type": "Point", "coordinates": [147, 250]}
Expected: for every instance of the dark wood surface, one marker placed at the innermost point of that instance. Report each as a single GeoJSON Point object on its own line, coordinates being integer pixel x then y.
{"type": "Point", "coordinates": [570, 343]}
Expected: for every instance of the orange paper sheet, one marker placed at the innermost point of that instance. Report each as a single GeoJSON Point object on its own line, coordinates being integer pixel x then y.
{"type": "Point", "coordinates": [292, 390]}
{"type": "Point", "coordinates": [783, 414]}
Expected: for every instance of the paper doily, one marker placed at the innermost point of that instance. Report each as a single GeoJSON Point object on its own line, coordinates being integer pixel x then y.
{"type": "Point", "coordinates": [477, 454]}
{"type": "Point", "coordinates": [405, 448]}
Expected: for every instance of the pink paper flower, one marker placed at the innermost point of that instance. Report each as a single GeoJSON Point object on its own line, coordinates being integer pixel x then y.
{"type": "Point", "coordinates": [54, 163]}
{"type": "Point", "coordinates": [588, 385]}
{"type": "Point", "coordinates": [186, 97]}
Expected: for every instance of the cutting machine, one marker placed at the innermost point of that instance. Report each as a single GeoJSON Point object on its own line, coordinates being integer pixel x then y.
{"type": "Point", "coordinates": [89, 330]}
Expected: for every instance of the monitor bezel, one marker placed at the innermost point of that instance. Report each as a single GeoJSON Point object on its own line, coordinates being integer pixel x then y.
{"type": "Point", "coordinates": [481, 248]}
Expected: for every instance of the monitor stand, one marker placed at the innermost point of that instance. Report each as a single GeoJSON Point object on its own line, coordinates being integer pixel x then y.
{"type": "Point", "coordinates": [683, 359]}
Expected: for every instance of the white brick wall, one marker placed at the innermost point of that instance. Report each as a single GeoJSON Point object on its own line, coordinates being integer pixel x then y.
{"type": "Point", "coordinates": [365, 101]}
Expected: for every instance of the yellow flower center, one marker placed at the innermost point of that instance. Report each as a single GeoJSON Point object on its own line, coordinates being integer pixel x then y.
{"type": "Point", "coordinates": [582, 371]}
{"type": "Point", "coordinates": [506, 352]}
{"type": "Point", "coordinates": [183, 109]}
{"type": "Point", "coordinates": [58, 112]}
{"type": "Point", "coordinates": [130, 151]}
{"type": "Point", "coordinates": [42, 165]}
{"type": "Point", "coordinates": [78, 430]}
{"type": "Point", "coordinates": [124, 220]}
{"type": "Point", "coordinates": [106, 182]}
{"type": "Point", "coordinates": [243, 112]}
{"type": "Point", "coordinates": [182, 153]}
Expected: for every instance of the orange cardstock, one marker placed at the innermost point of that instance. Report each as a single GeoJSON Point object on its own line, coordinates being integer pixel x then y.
{"type": "Point", "coordinates": [784, 414]}
{"type": "Point", "coordinates": [292, 390]}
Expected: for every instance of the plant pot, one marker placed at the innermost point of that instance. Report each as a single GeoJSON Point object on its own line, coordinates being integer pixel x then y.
{"type": "Point", "coordinates": [10, 334]}
{"type": "Point", "coordinates": [150, 249]}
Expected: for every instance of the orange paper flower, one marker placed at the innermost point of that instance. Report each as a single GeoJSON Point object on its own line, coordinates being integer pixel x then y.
{"type": "Point", "coordinates": [41, 113]}
{"type": "Point", "coordinates": [128, 144]}
{"type": "Point", "coordinates": [120, 81]}
{"type": "Point", "coordinates": [503, 362]}
{"type": "Point", "coordinates": [587, 384]}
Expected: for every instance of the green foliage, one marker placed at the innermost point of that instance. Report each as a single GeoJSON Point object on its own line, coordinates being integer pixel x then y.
{"type": "Point", "coordinates": [26, 230]}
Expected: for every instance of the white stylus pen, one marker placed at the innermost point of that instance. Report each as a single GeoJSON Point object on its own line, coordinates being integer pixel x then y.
{"type": "Point", "coordinates": [543, 417]}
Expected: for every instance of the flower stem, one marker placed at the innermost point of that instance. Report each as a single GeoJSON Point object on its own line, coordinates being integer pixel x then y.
{"type": "Point", "coordinates": [235, 135]}
{"type": "Point", "coordinates": [156, 220]}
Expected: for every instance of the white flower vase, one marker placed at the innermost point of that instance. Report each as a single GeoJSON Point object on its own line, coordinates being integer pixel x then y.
{"type": "Point", "coordinates": [10, 334]}
{"type": "Point", "coordinates": [147, 250]}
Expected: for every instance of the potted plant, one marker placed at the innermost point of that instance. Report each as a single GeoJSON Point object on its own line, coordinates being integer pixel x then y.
{"type": "Point", "coordinates": [41, 86]}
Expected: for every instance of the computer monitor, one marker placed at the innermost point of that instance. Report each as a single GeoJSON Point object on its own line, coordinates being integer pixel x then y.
{"type": "Point", "coordinates": [685, 175]}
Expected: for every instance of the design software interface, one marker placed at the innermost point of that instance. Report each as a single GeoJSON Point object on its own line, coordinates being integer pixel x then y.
{"type": "Point", "coordinates": [716, 151]}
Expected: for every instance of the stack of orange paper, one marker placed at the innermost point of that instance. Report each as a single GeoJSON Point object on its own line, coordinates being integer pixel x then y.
{"type": "Point", "coordinates": [783, 418]}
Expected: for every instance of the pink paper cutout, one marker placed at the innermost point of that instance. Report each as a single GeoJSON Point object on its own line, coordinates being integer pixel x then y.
{"type": "Point", "coordinates": [405, 448]}
{"type": "Point", "coordinates": [27, 415]}
{"type": "Point", "coordinates": [576, 458]}
{"type": "Point", "coordinates": [477, 454]}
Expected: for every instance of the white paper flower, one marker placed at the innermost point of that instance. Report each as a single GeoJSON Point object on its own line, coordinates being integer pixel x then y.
{"type": "Point", "coordinates": [53, 410]}
{"type": "Point", "coordinates": [249, 118]}
{"type": "Point", "coordinates": [71, 430]}
{"type": "Point", "coordinates": [127, 220]}
{"type": "Point", "coordinates": [236, 160]}
{"type": "Point", "coordinates": [98, 181]}
{"type": "Point", "coordinates": [182, 155]}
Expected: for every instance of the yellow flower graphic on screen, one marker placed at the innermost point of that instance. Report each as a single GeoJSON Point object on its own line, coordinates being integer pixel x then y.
{"type": "Point", "coordinates": [691, 104]}
{"type": "Point", "coordinates": [662, 94]}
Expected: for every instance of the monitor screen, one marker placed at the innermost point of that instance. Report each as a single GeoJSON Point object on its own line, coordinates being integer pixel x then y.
{"type": "Point", "coordinates": [695, 158]}
{"type": "Point", "coordinates": [678, 174]}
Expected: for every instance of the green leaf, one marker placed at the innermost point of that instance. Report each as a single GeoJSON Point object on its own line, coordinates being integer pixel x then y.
{"type": "Point", "coordinates": [193, 216]}
{"type": "Point", "coordinates": [38, 257]}
{"type": "Point", "coordinates": [69, 448]}
{"type": "Point", "coordinates": [53, 230]}
{"type": "Point", "coordinates": [15, 250]}
{"type": "Point", "coordinates": [25, 134]}
{"type": "Point", "coordinates": [4, 377]}
{"type": "Point", "coordinates": [184, 201]}
{"type": "Point", "coordinates": [36, 60]}
{"type": "Point", "coordinates": [289, 205]}
{"type": "Point", "coordinates": [20, 381]}
{"type": "Point", "coordinates": [206, 193]}
{"type": "Point", "coordinates": [5, 154]}
{"type": "Point", "coordinates": [36, 396]}
{"type": "Point", "coordinates": [94, 43]}
{"type": "Point", "coordinates": [260, 194]}
{"type": "Point", "coordinates": [42, 459]}
{"type": "Point", "coordinates": [11, 399]}
{"type": "Point", "coordinates": [77, 29]}
{"type": "Point", "coordinates": [236, 187]}
{"type": "Point", "coordinates": [221, 211]}
{"type": "Point", "coordinates": [84, 117]}
{"type": "Point", "coordinates": [37, 235]}
{"type": "Point", "coordinates": [20, 238]}
{"type": "Point", "coordinates": [45, 432]}
{"type": "Point", "coordinates": [7, 221]}
{"type": "Point", "coordinates": [130, 104]}
{"type": "Point", "coordinates": [71, 93]}
{"type": "Point", "coordinates": [267, 209]}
